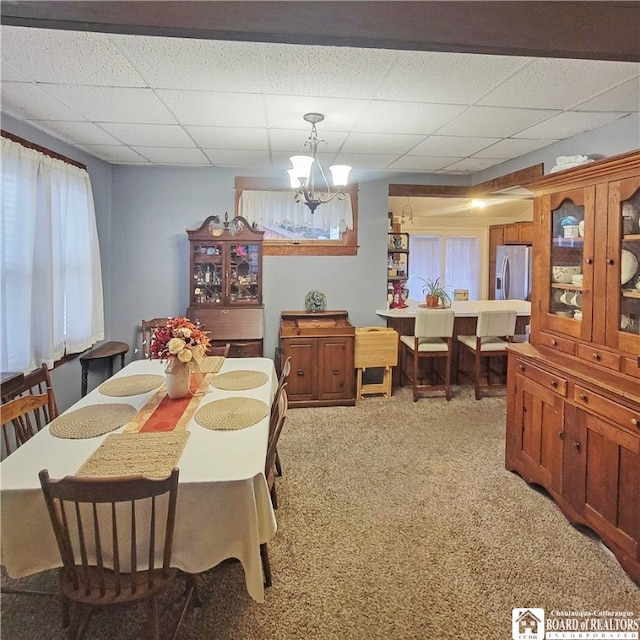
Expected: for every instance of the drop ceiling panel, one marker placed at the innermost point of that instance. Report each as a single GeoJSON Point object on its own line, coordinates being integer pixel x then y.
{"type": "Point", "coordinates": [294, 141]}
{"type": "Point", "coordinates": [512, 148]}
{"type": "Point", "coordinates": [398, 143]}
{"type": "Point", "coordinates": [171, 155]}
{"type": "Point", "coordinates": [568, 124]}
{"type": "Point", "coordinates": [237, 158]}
{"type": "Point", "coordinates": [149, 135]}
{"type": "Point", "coordinates": [115, 154]}
{"type": "Point", "coordinates": [28, 101]}
{"type": "Point", "coordinates": [452, 146]}
{"type": "Point", "coordinates": [77, 132]}
{"type": "Point", "coordinates": [406, 117]}
{"type": "Point", "coordinates": [421, 163]}
{"type": "Point", "coordinates": [340, 114]}
{"type": "Point", "coordinates": [624, 97]}
{"type": "Point", "coordinates": [228, 137]}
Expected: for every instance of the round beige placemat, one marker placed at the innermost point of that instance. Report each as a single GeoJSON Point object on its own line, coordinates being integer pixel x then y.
{"type": "Point", "coordinates": [131, 385]}
{"type": "Point", "coordinates": [91, 421]}
{"type": "Point", "coordinates": [239, 380]}
{"type": "Point", "coordinates": [231, 413]}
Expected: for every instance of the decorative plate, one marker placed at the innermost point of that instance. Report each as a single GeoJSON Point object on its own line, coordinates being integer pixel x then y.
{"type": "Point", "coordinates": [315, 301]}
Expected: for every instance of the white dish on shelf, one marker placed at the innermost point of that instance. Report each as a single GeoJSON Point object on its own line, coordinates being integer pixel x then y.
{"type": "Point", "coordinates": [628, 266]}
{"type": "Point", "coordinates": [564, 273]}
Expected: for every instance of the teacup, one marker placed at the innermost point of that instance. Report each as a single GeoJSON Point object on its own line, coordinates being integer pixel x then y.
{"type": "Point", "coordinates": [566, 297]}
{"type": "Point", "coordinates": [571, 230]}
{"type": "Point", "coordinates": [576, 300]}
{"type": "Point", "coordinates": [577, 314]}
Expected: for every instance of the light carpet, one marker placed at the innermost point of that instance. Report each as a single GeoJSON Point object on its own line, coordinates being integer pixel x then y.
{"type": "Point", "coordinates": [397, 520]}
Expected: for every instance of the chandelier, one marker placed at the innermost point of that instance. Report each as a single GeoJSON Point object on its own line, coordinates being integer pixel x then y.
{"type": "Point", "coordinates": [301, 175]}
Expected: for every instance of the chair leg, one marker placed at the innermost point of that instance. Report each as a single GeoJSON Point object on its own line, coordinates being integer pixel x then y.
{"type": "Point", "coordinates": [416, 373]}
{"type": "Point", "coordinates": [278, 464]}
{"type": "Point", "coordinates": [447, 376]}
{"type": "Point", "coordinates": [274, 496]}
{"type": "Point", "coordinates": [266, 565]}
{"type": "Point", "coordinates": [153, 624]}
{"type": "Point", "coordinates": [476, 374]}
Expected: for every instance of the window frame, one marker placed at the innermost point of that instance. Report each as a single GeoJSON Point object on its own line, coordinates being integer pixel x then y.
{"type": "Point", "coordinates": [346, 246]}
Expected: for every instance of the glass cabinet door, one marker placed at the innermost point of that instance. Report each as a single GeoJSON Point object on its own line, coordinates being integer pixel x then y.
{"type": "Point", "coordinates": [567, 304]}
{"type": "Point", "coordinates": [208, 267]}
{"type": "Point", "coordinates": [626, 198]}
{"type": "Point", "coordinates": [244, 265]}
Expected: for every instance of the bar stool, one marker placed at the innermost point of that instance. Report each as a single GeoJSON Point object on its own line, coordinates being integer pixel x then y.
{"type": "Point", "coordinates": [433, 331]}
{"type": "Point", "coordinates": [494, 331]}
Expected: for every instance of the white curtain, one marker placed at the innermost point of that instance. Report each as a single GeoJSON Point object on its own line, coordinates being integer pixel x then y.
{"type": "Point", "coordinates": [462, 266]}
{"type": "Point", "coordinates": [278, 208]}
{"type": "Point", "coordinates": [51, 283]}
{"type": "Point", "coordinates": [424, 263]}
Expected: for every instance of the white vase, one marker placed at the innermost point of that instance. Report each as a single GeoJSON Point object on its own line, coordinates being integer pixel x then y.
{"type": "Point", "coordinates": [177, 378]}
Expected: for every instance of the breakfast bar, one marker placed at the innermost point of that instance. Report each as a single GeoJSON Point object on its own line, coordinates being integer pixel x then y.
{"type": "Point", "coordinates": [402, 320]}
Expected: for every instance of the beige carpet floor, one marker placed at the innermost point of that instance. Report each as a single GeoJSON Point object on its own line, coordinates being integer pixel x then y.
{"type": "Point", "coordinates": [396, 521]}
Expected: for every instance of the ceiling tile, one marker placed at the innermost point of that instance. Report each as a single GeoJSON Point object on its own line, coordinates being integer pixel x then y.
{"type": "Point", "coordinates": [188, 63]}
{"type": "Point", "coordinates": [215, 109]}
{"type": "Point", "coordinates": [549, 83]}
{"type": "Point", "coordinates": [366, 161]}
{"type": "Point", "coordinates": [29, 102]}
{"type": "Point", "coordinates": [236, 158]}
{"type": "Point", "coordinates": [512, 148]}
{"type": "Point", "coordinates": [301, 70]}
{"type": "Point", "coordinates": [405, 117]}
{"type": "Point", "coordinates": [340, 114]}
{"type": "Point", "coordinates": [67, 57]}
{"type": "Point", "coordinates": [149, 135]}
{"type": "Point", "coordinates": [114, 155]}
{"type": "Point", "coordinates": [494, 122]}
{"type": "Point", "coordinates": [421, 163]}
{"type": "Point", "coordinates": [625, 98]}
{"type": "Point", "coordinates": [471, 165]}
{"type": "Point", "coordinates": [75, 132]}
{"type": "Point", "coordinates": [113, 104]}
{"type": "Point", "coordinates": [294, 141]}
{"type": "Point", "coordinates": [568, 124]}
{"type": "Point", "coordinates": [453, 78]}
{"type": "Point", "coordinates": [228, 137]}
{"type": "Point", "coordinates": [452, 146]}
{"type": "Point", "coordinates": [383, 143]}
{"type": "Point", "coordinates": [171, 155]}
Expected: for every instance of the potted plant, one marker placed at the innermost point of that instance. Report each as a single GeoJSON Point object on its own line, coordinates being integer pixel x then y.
{"type": "Point", "coordinates": [436, 296]}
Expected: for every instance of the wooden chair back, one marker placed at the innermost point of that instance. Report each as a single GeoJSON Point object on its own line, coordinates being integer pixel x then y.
{"type": "Point", "coordinates": [147, 331]}
{"type": "Point", "coordinates": [222, 350]}
{"type": "Point", "coordinates": [115, 537]}
{"type": "Point", "coordinates": [20, 418]}
{"type": "Point", "coordinates": [278, 418]}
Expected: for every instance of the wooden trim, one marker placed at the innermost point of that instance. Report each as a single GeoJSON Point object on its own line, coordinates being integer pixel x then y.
{"type": "Point", "coordinates": [44, 150]}
{"type": "Point", "coordinates": [428, 190]}
{"type": "Point", "coordinates": [514, 179]}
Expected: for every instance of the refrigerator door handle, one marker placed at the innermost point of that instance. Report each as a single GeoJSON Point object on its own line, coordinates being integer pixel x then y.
{"type": "Point", "coordinates": [507, 277]}
{"type": "Point", "coordinates": [504, 274]}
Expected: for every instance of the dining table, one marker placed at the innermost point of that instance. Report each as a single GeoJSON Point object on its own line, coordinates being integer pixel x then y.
{"type": "Point", "coordinates": [217, 437]}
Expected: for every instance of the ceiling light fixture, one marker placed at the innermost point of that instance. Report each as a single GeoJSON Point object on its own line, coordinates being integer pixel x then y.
{"type": "Point", "coordinates": [301, 175]}
{"type": "Point", "coordinates": [477, 203]}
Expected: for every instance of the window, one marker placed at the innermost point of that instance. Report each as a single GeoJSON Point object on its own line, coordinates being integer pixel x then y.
{"type": "Point", "coordinates": [51, 283]}
{"type": "Point", "coordinates": [290, 228]}
{"type": "Point", "coordinates": [455, 259]}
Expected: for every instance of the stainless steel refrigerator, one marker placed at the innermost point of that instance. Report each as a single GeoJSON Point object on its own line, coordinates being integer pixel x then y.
{"type": "Point", "coordinates": [513, 272]}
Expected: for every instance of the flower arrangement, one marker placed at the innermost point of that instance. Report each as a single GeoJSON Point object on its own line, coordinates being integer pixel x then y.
{"type": "Point", "coordinates": [180, 338]}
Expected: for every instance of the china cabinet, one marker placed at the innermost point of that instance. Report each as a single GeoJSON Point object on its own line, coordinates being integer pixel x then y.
{"type": "Point", "coordinates": [225, 283]}
{"type": "Point", "coordinates": [573, 411]}
{"type": "Point", "coordinates": [321, 346]}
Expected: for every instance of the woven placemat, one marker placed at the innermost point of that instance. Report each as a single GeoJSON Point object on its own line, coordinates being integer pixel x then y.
{"type": "Point", "coordinates": [211, 364]}
{"type": "Point", "coordinates": [91, 421]}
{"type": "Point", "coordinates": [124, 454]}
{"type": "Point", "coordinates": [240, 380]}
{"type": "Point", "coordinates": [231, 413]}
{"type": "Point", "coordinates": [130, 385]}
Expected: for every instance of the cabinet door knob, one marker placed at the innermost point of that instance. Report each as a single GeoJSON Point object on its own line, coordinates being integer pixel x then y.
{"type": "Point", "coordinates": [635, 422]}
{"type": "Point", "coordinates": [300, 372]}
{"type": "Point", "coordinates": [554, 343]}
{"type": "Point", "coordinates": [336, 372]}
{"type": "Point", "coordinates": [577, 445]}
{"type": "Point", "coordinates": [596, 356]}
{"type": "Point", "coordinates": [524, 409]}
{"type": "Point", "coordinates": [521, 367]}
{"type": "Point", "coordinates": [554, 383]}
{"type": "Point", "coordinates": [561, 434]}
{"type": "Point", "coordinates": [583, 397]}
{"type": "Point", "coordinates": [589, 260]}
{"type": "Point", "coordinates": [610, 261]}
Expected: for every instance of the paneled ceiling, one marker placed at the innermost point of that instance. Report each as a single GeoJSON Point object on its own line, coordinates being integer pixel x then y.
{"type": "Point", "coordinates": [183, 100]}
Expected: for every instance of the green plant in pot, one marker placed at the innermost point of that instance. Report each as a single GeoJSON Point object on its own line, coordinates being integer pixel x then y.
{"type": "Point", "coordinates": [435, 294]}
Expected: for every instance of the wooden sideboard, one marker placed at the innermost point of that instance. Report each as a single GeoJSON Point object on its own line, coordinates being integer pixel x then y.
{"type": "Point", "coordinates": [321, 346]}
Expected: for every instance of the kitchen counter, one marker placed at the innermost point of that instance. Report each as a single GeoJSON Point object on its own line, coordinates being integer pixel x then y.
{"type": "Point", "coordinates": [462, 309]}
{"type": "Point", "coordinates": [403, 320]}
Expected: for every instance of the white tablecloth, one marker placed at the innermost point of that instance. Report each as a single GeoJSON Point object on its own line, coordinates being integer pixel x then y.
{"type": "Point", "coordinates": [224, 509]}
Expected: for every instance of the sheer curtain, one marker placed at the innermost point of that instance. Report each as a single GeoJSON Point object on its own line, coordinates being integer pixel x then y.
{"type": "Point", "coordinates": [278, 208]}
{"type": "Point", "coordinates": [424, 262]}
{"type": "Point", "coordinates": [462, 264]}
{"type": "Point", "coordinates": [51, 284]}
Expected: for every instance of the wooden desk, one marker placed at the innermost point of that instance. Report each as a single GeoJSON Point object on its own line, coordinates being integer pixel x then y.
{"type": "Point", "coordinates": [10, 381]}
{"type": "Point", "coordinates": [107, 350]}
{"type": "Point", "coordinates": [403, 321]}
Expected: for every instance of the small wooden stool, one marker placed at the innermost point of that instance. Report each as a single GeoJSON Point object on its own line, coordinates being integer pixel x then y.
{"type": "Point", "coordinates": [376, 347]}
{"type": "Point", "coordinates": [107, 350]}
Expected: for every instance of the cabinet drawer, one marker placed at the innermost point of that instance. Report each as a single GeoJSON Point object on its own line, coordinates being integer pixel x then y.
{"type": "Point", "coordinates": [611, 411]}
{"type": "Point", "coordinates": [555, 342]}
{"type": "Point", "coordinates": [631, 367]}
{"type": "Point", "coordinates": [598, 356]}
{"type": "Point", "coordinates": [542, 377]}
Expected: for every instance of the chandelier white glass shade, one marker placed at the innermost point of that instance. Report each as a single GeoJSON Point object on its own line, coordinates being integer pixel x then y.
{"type": "Point", "coordinates": [302, 174]}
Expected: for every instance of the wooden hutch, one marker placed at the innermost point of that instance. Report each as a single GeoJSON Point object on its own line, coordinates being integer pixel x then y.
{"type": "Point", "coordinates": [573, 409]}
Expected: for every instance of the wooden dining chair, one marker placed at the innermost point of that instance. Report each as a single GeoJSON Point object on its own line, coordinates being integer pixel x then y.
{"type": "Point", "coordinates": [19, 416]}
{"type": "Point", "coordinates": [276, 424]}
{"type": "Point", "coordinates": [147, 331]}
{"type": "Point", "coordinates": [36, 383]}
{"type": "Point", "coordinates": [115, 537]}
{"type": "Point", "coordinates": [432, 341]}
{"type": "Point", "coordinates": [282, 379]}
{"type": "Point", "coordinates": [222, 350]}
{"type": "Point", "coordinates": [494, 330]}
